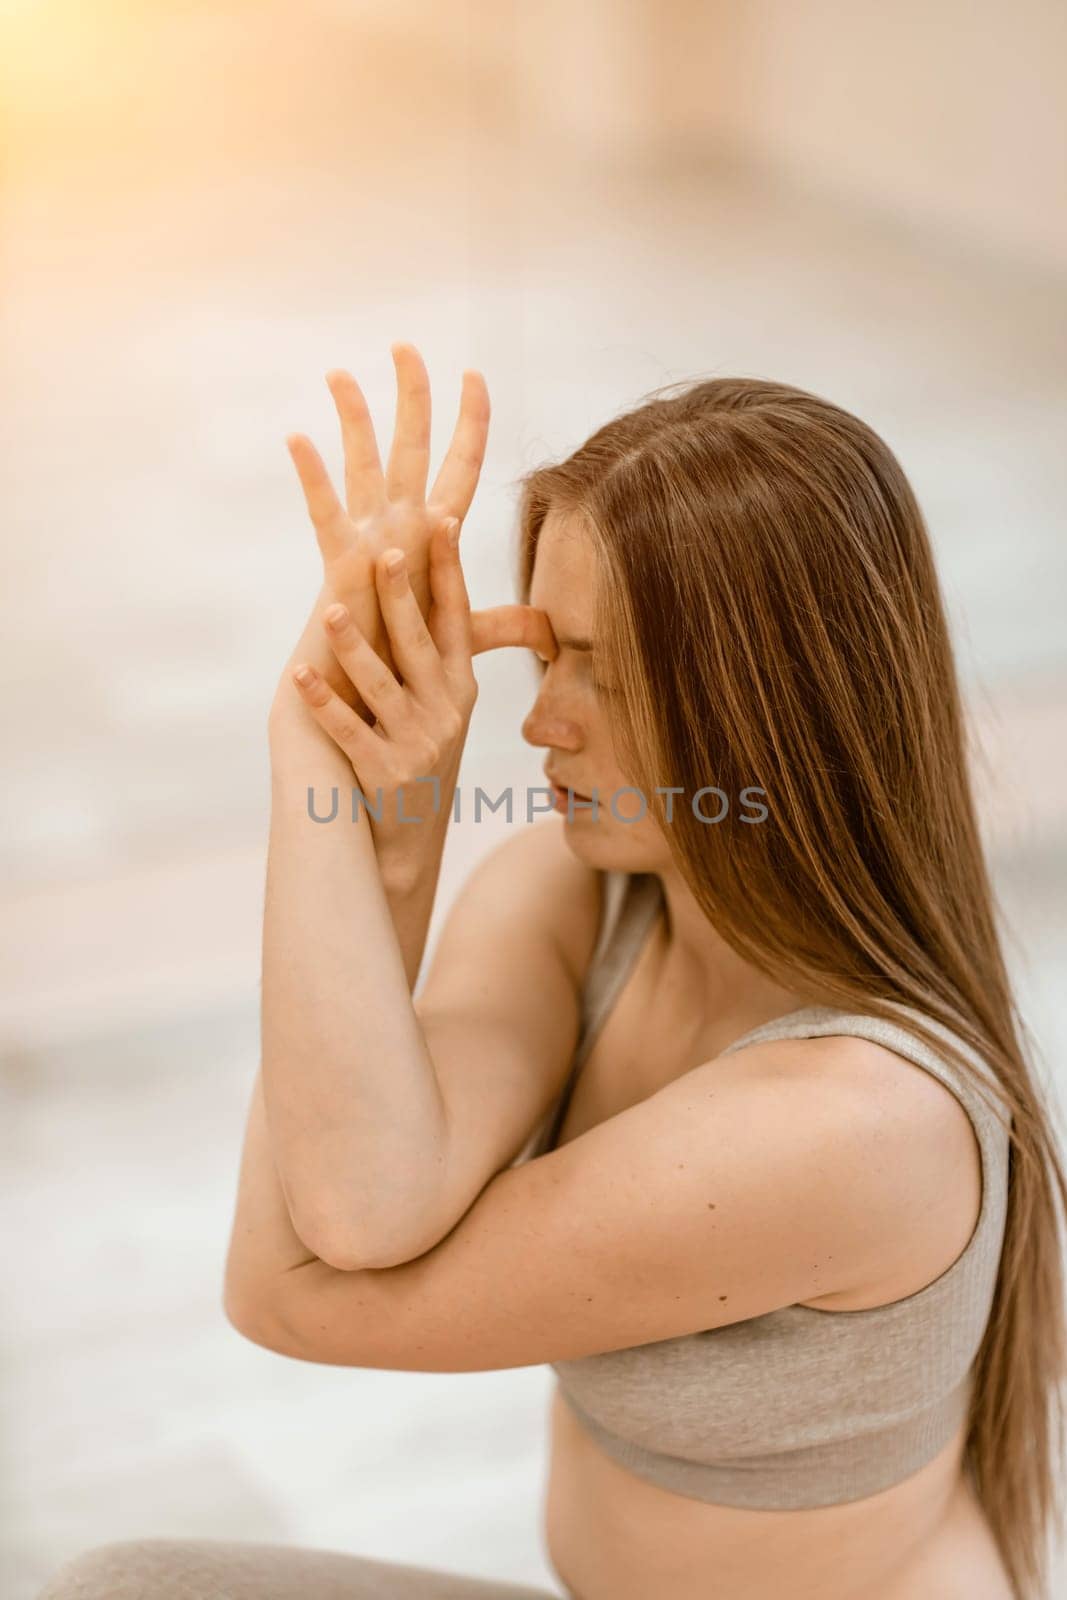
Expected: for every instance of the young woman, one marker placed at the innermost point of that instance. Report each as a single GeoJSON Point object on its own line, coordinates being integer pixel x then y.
{"type": "Point", "coordinates": [714, 1097]}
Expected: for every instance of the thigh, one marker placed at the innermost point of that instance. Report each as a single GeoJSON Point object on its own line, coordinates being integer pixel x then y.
{"type": "Point", "coordinates": [216, 1569]}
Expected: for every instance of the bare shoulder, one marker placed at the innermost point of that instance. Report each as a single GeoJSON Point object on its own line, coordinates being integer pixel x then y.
{"type": "Point", "coordinates": [925, 1151]}
{"type": "Point", "coordinates": [911, 1097]}
{"type": "Point", "coordinates": [527, 913]}
{"type": "Point", "coordinates": [539, 872]}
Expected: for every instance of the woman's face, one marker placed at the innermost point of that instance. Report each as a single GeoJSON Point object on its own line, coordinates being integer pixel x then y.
{"type": "Point", "coordinates": [572, 715]}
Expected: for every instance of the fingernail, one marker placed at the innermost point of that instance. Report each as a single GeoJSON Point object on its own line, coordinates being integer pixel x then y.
{"type": "Point", "coordinates": [336, 615]}
{"type": "Point", "coordinates": [394, 565]}
{"type": "Point", "coordinates": [304, 675]}
{"type": "Point", "coordinates": [453, 534]}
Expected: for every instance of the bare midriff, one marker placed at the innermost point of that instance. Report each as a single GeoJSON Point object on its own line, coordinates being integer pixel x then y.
{"type": "Point", "coordinates": [611, 1535]}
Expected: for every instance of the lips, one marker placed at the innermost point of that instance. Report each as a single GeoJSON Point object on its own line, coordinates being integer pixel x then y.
{"type": "Point", "coordinates": [562, 787]}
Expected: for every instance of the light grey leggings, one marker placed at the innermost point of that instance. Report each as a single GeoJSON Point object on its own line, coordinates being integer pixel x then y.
{"type": "Point", "coordinates": [216, 1569]}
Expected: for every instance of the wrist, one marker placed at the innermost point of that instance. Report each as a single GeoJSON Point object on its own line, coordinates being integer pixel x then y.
{"type": "Point", "coordinates": [406, 874]}
{"type": "Point", "coordinates": [298, 747]}
{"type": "Point", "coordinates": [313, 647]}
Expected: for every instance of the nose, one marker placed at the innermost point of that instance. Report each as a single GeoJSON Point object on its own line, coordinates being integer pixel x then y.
{"type": "Point", "coordinates": [546, 723]}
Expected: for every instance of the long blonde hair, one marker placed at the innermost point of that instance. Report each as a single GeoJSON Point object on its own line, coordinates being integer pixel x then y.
{"type": "Point", "coordinates": [770, 609]}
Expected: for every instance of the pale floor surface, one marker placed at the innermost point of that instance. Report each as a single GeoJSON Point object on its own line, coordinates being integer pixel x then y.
{"type": "Point", "coordinates": [166, 567]}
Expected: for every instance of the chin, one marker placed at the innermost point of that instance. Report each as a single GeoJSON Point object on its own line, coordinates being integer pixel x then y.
{"type": "Point", "coordinates": [614, 848]}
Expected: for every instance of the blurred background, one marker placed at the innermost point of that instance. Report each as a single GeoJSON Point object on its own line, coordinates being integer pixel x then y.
{"type": "Point", "coordinates": [207, 205]}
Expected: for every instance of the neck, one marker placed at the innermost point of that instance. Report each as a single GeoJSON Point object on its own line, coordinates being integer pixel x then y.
{"type": "Point", "coordinates": [726, 988]}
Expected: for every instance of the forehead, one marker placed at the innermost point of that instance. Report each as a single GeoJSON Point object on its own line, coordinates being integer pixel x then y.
{"type": "Point", "coordinates": [564, 575]}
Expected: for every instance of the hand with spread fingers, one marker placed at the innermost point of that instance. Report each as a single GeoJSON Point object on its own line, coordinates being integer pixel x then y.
{"type": "Point", "coordinates": [390, 509]}
{"type": "Point", "coordinates": [384, 665]}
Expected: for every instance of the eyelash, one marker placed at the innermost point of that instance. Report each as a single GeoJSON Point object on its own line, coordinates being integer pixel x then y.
{"type": "Point", "coordinates": [601, 688]}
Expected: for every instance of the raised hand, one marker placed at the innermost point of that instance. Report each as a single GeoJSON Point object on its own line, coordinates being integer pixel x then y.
{"type": "Point", "coordinates": [423, 711]}
{"type": "Point", "coordinates": [384, 509]}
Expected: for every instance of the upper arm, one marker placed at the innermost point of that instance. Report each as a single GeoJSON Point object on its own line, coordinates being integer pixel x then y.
{"type": "Point", "coordinates": [500, 1005]}
{"type": "Point", "coordinates": [754, 1181]}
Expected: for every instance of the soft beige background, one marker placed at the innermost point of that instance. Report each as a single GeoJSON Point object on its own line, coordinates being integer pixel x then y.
{"type": "Point", "coordinates": [205, 207]}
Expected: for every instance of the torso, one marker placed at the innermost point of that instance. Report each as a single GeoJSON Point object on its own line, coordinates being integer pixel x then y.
{"type": "Point", "coordinates": [612, 1535]}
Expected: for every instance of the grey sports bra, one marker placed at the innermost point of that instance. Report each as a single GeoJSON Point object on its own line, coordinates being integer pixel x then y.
{"type": "Point", "coordinates": [798, 1407]}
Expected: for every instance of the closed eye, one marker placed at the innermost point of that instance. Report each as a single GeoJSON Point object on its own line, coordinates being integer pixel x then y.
{"type": "Point", "coordinates": [601, 688]}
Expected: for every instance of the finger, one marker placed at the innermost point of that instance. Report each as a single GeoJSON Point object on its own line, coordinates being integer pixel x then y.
{"type": "Point", "coordinates": [365, 669]}
{"type": "Point", "coordinates": [333, 530]}
{"type": "Point", "coordinates": [451, 615]}
{"type": "Point", "coordinates": [521, 625]}
{"type": "Point", "coordinates": [345, 728]}
{"type": "Point", "coordinates": [409, 457]}
{"type": "Point", "coordinates": [410, 640]}
{"type": "Point", "coordinates": [364, 480]}
{"type": "Point", "coordinates": [457, 480]}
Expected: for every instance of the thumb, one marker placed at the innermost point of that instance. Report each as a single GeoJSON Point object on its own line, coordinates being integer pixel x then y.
{"type": "Point", "coordinates": [513, 625]}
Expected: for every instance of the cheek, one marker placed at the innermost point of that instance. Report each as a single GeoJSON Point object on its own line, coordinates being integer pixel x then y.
{"type": "Point", "coordinates": [569, 698]}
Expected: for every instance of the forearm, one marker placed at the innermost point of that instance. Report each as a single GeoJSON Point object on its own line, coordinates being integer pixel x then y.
{"type": "Point", "coordinates": [268, 1264]}
{"type": "Point", "coordinates": [410, 885]}
{"type": "Point", "coordinates": [264, 1244]}
{"type": "Point", "coordinates": [357, 1122]}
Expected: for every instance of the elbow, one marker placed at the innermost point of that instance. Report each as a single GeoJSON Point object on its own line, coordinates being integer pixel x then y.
{"type": "Point", "coordinates": [254, 1322]}
{"type": "Point", "coordinates": [346, 1253]}
{"type": "Point", "coordinates": [324, 1238]}
{"type": "Point", "coordinates": [353, 1233]}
